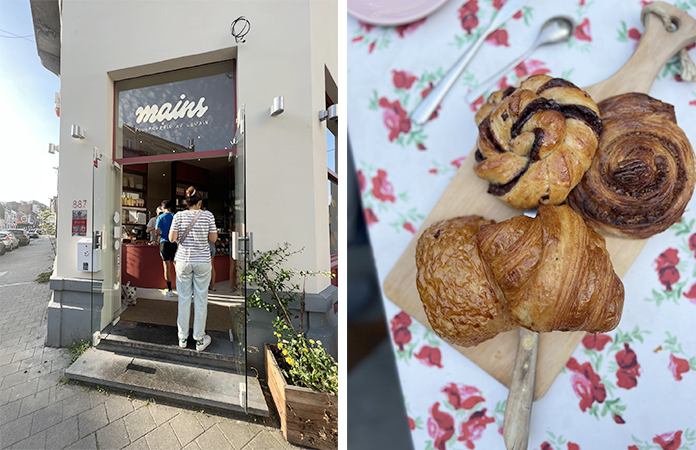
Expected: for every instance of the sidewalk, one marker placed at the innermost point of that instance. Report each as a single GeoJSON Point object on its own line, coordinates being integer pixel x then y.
{"type": "Point", "coordinates": [39, 410]}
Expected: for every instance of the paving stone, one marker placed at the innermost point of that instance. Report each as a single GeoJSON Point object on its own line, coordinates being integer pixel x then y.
{"type": "Point", "coordinates": [16, 348]}
{"type": "Point", "coordinates": [264, 441]}
{"type": "Point", "coordinates": [162, 413]}
{"type": "Point", "coordinates": [63, 434]}
{"type": "Point", "coordinates": [186, 428]}
{"type": "Point", "coordinates": [7, 343]}
{"type": "Point", "coordinates": [237, 432]}
{"type": "Point", "coordinates": [97, 398]}
{"type": "Point", "coordinates": [30, 363]}
{"type": "Point", "coordinates": [213, 438]}
{"type": "Point", "coordinates": [22, 390]}
{"type": "Point", "coordinates": [76, 405]}
{"type": "Point", "coordinates": [5, 396]}
{"type": "Point", "coordinates": [86, 443]}
{"type": "Point", "coordinates": [47, 417]}
{"type": "Point", "coordinates": [22, 355]}
{"type": "Point", "coordinates": [139, 422]}
{"type": "Point", "coordinates": [50, 353]}
{"type": "Point", "coordinates": [13, 380]}
{"type": "Point", "coordinates": [49, 379]}
{"type": "Point", "coordinates": [34, 402]}
{"type": "Point", "coordinates": [33, 442]}
{"type": "Point", "coordinates": [140, 444]}
{"type": "Point", "coordinates": [15, 431]}
{"type": "Point", "coordinates": [10, 412]}
{"type": "Point", "coordinates": [113, 436]}
{"type": "Point", "coordinates": [117, 407]}
{"type": "Point", "coordinates": [6, 358]}
{"type": "Point", "coordinates": [163, 438]}
{"type": "Point", "coordinates": [193, 445]}
{"type": "Point", "coordinates": [206, 420]}
{"type": "Point", "coordinates": [91, 420]}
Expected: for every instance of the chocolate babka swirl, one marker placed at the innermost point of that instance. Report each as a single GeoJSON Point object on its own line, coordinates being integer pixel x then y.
{"type": "Point", "coordinates": [536, 141]}
{"type": "Point", "coordinates": [643, 174]}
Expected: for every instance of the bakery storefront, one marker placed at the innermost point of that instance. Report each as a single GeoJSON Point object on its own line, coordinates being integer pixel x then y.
{"type": "Point", "coordinates": [226, 110]}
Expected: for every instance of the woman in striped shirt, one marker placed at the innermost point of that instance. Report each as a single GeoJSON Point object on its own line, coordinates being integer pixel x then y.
{"type": "Point", "coordinates": [193, 267]}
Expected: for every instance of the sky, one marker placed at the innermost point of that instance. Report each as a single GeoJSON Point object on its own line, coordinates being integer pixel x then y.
{"type": "Point", "coordinates": [28, 121]}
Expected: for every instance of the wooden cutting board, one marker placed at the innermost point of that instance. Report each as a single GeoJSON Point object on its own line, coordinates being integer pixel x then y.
{"type": "Point", "coordinates": [466, 194]}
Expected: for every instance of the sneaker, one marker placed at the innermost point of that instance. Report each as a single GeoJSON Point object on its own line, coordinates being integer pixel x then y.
{"type": "Point", "coordinates": [183, 343]}
{"type": "Point", "coordinates": [169, 293]}
{"type": "Point", "coordinates": [203, 343]}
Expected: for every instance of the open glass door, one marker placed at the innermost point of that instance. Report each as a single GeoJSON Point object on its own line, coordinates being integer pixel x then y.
{"type": "Point", "coordinates": [104, 240]}
{"type": "Point", "coordinates": [240, 249]}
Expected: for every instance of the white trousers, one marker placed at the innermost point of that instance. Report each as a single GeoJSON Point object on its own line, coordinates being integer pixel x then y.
{"type": "Point", "coordinates": [192, 278]}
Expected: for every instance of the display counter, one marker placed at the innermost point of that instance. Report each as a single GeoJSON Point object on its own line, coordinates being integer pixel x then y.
{"type": "Point", "coordinates": [141, 264]}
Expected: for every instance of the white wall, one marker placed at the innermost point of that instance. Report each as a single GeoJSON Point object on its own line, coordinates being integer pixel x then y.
{"type": "Point", "coordinates": [285, 51]}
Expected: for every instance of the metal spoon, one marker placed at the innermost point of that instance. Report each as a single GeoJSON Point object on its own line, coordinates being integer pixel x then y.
{"type": "Point", "coordinates": [555, 30]}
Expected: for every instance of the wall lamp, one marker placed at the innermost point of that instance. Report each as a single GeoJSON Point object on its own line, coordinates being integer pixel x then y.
{"type": "Point", "coordinates": [330, 114]}
{"type": "Point", "coordinates": [53, 148]}
{"type": "Point", "coordinates": [76, 132]}
{"type": "Point", "coordinates": [278, 106]}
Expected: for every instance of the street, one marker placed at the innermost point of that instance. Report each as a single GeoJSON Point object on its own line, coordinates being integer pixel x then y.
{"type": "Point", "coordinates": [39, 409]}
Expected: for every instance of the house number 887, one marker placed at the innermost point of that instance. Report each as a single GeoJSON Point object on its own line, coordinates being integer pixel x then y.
{"type": "Point", "coordinates": [79, 203]}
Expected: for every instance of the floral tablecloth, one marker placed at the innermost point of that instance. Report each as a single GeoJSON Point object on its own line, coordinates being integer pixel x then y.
{"type": "Point", "coordinates": [632, 388]}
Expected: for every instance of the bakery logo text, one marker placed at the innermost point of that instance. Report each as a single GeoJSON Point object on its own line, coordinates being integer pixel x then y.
{"type": "Point", "coordinates": [154, 113]}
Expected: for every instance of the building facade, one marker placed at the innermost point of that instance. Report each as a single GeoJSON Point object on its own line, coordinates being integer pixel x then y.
{"type": "Point", "coordinates": [259, 73]}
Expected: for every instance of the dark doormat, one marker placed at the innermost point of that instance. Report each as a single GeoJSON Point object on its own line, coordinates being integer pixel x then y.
{"type": "Point", "coordinates": [164, 312]}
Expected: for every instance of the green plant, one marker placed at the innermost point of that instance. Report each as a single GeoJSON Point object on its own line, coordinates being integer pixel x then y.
{"type": "Point", "coordinates": [303, 361]}
{"type": "Point", "coordinates": [103, 389]}
{"type": "Point", "coordinates": [43, 277]}
{"type": "Point", "coordinates": [77, 349]}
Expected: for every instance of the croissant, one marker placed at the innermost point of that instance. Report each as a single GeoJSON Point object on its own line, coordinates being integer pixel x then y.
{"type": "Point", "coordinates": [554, 271]}
{"type": "Point", "coordinates": [643, 174]}
{"type": "Point", "coordinates": [477, 278]}
{"type": "Point", "coordinates": [536, 141]}
{"type": "Point", "coordinates": [461, 300]}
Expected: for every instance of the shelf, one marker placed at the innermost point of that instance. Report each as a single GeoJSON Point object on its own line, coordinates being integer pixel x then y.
{"type": "Point", "coordinates": [131, 189]}
{"type": "Point", "coordinates": [137, 208]}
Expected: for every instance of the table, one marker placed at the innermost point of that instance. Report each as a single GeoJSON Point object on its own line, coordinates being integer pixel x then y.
{"type": "Point", "coordinates": [634, 387]}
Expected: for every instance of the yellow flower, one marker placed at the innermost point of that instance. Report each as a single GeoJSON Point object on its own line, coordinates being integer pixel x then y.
{"type": "Point", "coordinates": [319, 342]}
{"type": "Point", "coordinates": [290, 361]}
{"type": "Point", "coordinates": [285, 352]}
{"type": "Point", "coordinates": [280, 345]}
{"type": "Point", "coordinates": [311, 341]}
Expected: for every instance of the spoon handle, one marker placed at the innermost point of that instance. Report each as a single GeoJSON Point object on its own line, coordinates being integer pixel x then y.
{"type": "Point", "coordinates": [484, 86]}
{"type": "Point", "coordinates": [518, 410]}
{"type": "Point", "coordinates": [427, 106]}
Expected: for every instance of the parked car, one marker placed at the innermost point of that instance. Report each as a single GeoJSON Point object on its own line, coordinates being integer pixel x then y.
{"type": "Point", "coordinates": [33, 234]}
{"type": "Point", "coordinates": [9, 240]}
{"type": "Point", "coordinates": [21, 235]}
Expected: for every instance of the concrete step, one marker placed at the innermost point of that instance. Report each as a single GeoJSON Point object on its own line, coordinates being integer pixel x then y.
{"type": "Point", "coordinates": [160, 342]}
{"type": "Point", "coordinates": [181, 383]}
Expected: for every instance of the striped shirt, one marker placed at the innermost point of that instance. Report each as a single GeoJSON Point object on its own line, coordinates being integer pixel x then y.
{"type": "Point", "coordinates": [195, 248]}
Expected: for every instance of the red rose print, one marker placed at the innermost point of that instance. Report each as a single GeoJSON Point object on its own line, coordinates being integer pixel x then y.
{"type": "Point", "coordinates": [440, 427]}
{"type": "Point", "coordinates": [498, 37]}
{"type": "Point", "coordinates": [643, 3]}
{"type": "Point", "coordinates": [366, 26]}
{"type": "Point", "coordinates": [497, 4]}
{"type": "Point", "coordinates": [586, 384]}
{"type": "Point", "coordinates": [357, 38]}
{"type": "Point", "coordinates": [596, 341]}
{"type": "Point", "coordinates": [395, 118]}
{"type": "Point", "coordinates": [370, 217]}
{"type": "Point", "coordinates": [409, 28]}
{"type": "Point", "coordinates": [430, 356]}
{"type": "Point", "coordinates": [582, 2]}
{"type": "Point", "coordinates": [424, 93]}
{"type": "Point", "coordinates": [432, 171]}
{"type": "Point", "coordinates": [669, 441]}
{"type": "Point", "coordinates": [572, 446]}
{"type": "Point", "coordinates": [692, 241]}
{"type": "Point", "coordinates": [420, 146]}
{"type": "Point", "coordinates": [477, 104]}
{"type": "Point", "coordinates": [669, 257]}
{"type": "Point", "coordinates": [633, 447]}
{"type": "Point", "coordinates": [629, 369]}
{"type": "Point", "coordinates": [408, 226]}
{"type": "Point", "coordinates": [403, 79]}
{"type": "Point", "coordinates": [668, 276]}
{"type": "Point", "coordinates": [618, 419]}
{"type": "Point", "coordinates": [462, 396]}
{"type": "Point", "coordinates": [678, 366]}
{"type": "Point", "coordinates": [503, 84]}
{"type": "Point", "coordinates": [546, 446]}
{"type": "Point", "coordinates": [399, 329]}
{"type": "Point", "coordinates": [582, 32]}
{"type": "Point", "coordinates": [458, 162]}
{"type": "Point", "coordinates": [381, 188]}
{"type": "Point", "coordinates": [472, 429]}
{"type": "Point", "coordinates": [634, 34]}
{"type": "Point", "coordinates": [411, 424]}
{"type": "Point", "coordinates": [692, 103]}
{"type": "Point", "coordinates": [467, 15]}
{"type": "Point", "coordinates": [371, 47]}
{"type": "Point", "coordinates": [531, 67]}
{"type": "Point", "coordinates": [518, 15]}
{"type": "Point", "coordinates": [361, 181]}
{"type": "Point", "coordinates": [691, 294]}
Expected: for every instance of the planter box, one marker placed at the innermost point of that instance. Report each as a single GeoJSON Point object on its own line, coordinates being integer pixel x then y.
{"type": "Point", "coordinates": [307, 418]}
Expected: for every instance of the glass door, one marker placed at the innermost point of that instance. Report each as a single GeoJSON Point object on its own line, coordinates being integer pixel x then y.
{"type": "Point", "coordinates": [240, 248]}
